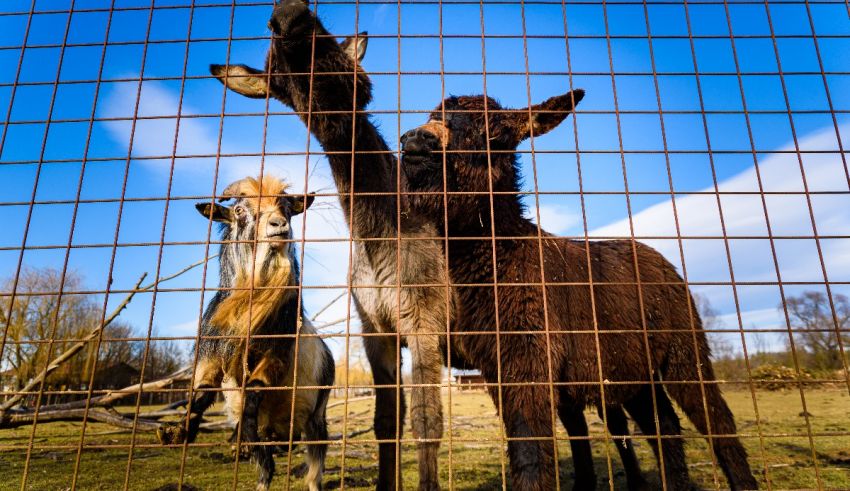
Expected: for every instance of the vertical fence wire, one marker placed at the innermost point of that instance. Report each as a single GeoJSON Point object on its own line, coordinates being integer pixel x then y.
{"type": "Point", "coordinates": [455, 445]}
{"type": "Point", "coordinates": [54, 322]}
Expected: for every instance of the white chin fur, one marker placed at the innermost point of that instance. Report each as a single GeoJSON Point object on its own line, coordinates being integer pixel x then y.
{"type": "Point", "coordinates": [232, 398]}
{"type": "Point", "coordinates": [272, 254]}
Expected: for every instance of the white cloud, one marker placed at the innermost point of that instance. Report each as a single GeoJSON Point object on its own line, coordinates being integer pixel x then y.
{"type": "Point", "coordinates": [745, 222]}
{"type": "Point", "coordinates": [756, 319]}
{"type": "Point", "coordinates": [556, 219]}
{"type": "Point", "coordinates": [380, 14]}
{"type": "Point", "coordinates": [155, 137]}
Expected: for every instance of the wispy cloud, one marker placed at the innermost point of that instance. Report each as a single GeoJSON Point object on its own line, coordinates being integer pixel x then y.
{"type": "Point", "coordinates": [760, 318]}
{"type": "Point", "coordinates": [155, 137]}
{"type": "Point", "coordinates": [746, 218]}
{"type": "Point", "coordinates": [556, 219]}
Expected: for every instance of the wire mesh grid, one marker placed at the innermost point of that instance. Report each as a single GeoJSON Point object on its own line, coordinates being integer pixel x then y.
{"type": "Point", "coordinates": [711, 131]}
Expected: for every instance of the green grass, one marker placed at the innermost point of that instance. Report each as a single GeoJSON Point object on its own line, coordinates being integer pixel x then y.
{"type": "Point", "coordinates": [783, 454]}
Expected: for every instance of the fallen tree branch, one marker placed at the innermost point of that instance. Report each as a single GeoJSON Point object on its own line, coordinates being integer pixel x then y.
{"type": "Point", "coordinates": [101, 415]}
{"type": "Point", "coordinates": [181, 375]}
{"type": "Point", "coordinates": [107, 399]}
{"type": "Point", "coordinates": [165, 413]}
{"type": "Point", "coordinates": [351, 435]}
{"type": "Point", "coordinates": [144, 423]}
{"type": "Point", "coordinates": [75, 411]}
{"type": "Point", "coordinates": [220, 425]}
{"type": "Point", "coordinates": [175, 405]}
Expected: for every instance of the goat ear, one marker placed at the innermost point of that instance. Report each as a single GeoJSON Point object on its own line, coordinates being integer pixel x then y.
{"type": "Point", "coordinates": [298, 204]}
{"type": "Point", "coordinates": [546, 115]}
{"type": "Point", "coordinates": [242, 79]}
{"type": "Point", "coordinates": [215, 212]}
{"type": "Point", "coordinates": [355, 47]}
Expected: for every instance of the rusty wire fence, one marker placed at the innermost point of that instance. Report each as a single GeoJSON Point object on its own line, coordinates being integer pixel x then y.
{"type": "Point", "coordinates": [713, 131]}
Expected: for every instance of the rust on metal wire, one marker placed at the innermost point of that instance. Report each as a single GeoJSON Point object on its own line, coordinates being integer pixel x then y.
{"type": "Point", "coordinates": [52, 225]}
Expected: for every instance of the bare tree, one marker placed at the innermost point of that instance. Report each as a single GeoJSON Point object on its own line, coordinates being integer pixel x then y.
{"type": "Point", "coordinates": [115, 348]}
{"type": "Point", "coordinates": [42, 324]}
{"type": "Point", "coordinates": [721, 347]}
{"type": "Point", "coordinates": [818, 330]}
{"type": "Point", "coordinates": [353, 371]}
{"type": "Point", "coordinates": [164, 357]}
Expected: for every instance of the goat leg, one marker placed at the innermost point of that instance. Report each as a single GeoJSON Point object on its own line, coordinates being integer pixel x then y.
{"type": "Point", "coordinates": [267, 373]}
{"type": "Point", "coordinates": [389, 405]}
{"type": "Point", "coordinates": [670, 453]}
{"type": "Point", "coordinates": [261, 455]}
{"type": "Point", "coordinates": [527, 416]}
{"type": "Point", "coordinates": [618, 427]}
{"type": "Point", "coordinates": [426, 409]}
{"type": "Point", "coordinates": [572, 417]}
{"type": "Point", "coordinates": [207, 376]}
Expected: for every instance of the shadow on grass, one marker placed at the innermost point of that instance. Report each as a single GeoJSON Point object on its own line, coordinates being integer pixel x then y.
{"type": "Point", "coordinates": [805, 453]}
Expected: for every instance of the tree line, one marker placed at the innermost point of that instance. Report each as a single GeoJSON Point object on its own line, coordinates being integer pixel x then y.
{"type": "Point", "coordinates": [40, 324]}
{"type": "Point", "coordinates": [819, 342]}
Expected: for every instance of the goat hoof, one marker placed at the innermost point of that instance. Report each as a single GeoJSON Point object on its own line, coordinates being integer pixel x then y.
{"type": "Point", "coordinates": [171, 434]}
{"type": "Point", "coordinates": [241, 452]}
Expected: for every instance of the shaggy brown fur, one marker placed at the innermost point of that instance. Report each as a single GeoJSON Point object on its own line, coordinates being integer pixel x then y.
{"type": "Point", "coordinates": [620, 299]}
{"type": "Point", "coordinates": [258, 270]}
{"type": "Point", "coordinates": [260, 194]}
{"type": "Point", "coordinates": [417, 310]}
{"type": "Point", "coordinates": [307, 70]}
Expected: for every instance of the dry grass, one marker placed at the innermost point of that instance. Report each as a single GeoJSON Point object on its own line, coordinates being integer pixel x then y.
{"type": "Point", "coordinates": [783, 455]}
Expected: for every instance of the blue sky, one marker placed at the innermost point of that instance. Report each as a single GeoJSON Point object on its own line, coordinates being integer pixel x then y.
{"type": "Point", "coordinates": [163, 93]}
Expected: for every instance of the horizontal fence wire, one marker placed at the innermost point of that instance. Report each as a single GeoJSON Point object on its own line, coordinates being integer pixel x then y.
{"type": "Point", "coordinates": [712, 133]}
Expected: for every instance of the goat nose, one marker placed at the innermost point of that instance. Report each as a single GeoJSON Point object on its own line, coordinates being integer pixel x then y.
{"type": "Point", "coordinates": [418, 142]}
{"type": "Point", "coordinates": [277, 226]}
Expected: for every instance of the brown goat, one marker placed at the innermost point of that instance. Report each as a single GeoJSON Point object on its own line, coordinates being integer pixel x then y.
{"type": "Point", "coordinates": [309, 71]}
{"type": "Point", "coordinates": [559, 302]}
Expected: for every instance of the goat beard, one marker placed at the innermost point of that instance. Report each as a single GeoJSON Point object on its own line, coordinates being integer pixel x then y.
{"type": "Point", "coordinates": [254, 300]}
